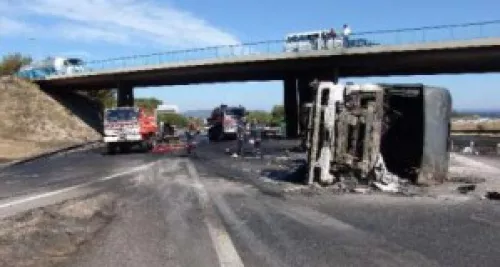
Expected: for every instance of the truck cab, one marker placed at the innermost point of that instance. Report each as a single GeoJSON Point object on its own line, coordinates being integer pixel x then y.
{"type": "Point", "coordinates": [68, 66]}
{"type": "Point", "coordinates": [52, 66]}
{"type": "Point", "coordinates": [128, 126]}
{"type": "Point", "coordinates": [223, 122]}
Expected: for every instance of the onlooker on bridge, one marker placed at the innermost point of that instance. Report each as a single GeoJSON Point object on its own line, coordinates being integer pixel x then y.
{"type": "Point", "coordinates": [345, 35]}
{"type": "Point", "coordinates": [333, 36]}
{"type": "Point", "coordinates": [325, 36]}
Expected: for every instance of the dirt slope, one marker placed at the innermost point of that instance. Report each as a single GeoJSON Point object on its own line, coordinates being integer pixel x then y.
{"type": "Point", "coordinates": [31, 121]}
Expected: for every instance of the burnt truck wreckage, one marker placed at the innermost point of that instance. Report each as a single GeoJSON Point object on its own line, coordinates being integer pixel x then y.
{"type": "Point", "coordinates": [378, 134]}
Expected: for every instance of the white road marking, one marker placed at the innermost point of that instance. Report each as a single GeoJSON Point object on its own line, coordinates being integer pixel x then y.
{"type": "Point", "coordinates": [226, 251]}
{"type": "Point", "coordinates": [67, 189]}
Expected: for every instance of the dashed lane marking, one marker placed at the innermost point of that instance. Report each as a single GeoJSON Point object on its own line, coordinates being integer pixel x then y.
{"type": "Point", "coordinates": [224, 247]}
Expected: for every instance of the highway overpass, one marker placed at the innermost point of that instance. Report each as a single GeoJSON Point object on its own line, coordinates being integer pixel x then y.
{"type": "Point", "coordinates": [425, 56]}
{"type": "Point", "coordinates": [448, 57]}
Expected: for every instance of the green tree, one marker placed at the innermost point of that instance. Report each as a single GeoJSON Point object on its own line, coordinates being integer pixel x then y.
{"type": "Point", "coordinates": [173, 118]}
{"type": "Point", "coordinates": [148, 104]}
{"type": "Point", "coordinates": [11, 63]}
{"type": "Point", "coordinates": [260, 115]}
{"type": "Point", "coordinates": [278, 111]}
{"type": "Point", "coordinates": [106, 97]}
{"type": "Point", "coordinates": [277, 115]}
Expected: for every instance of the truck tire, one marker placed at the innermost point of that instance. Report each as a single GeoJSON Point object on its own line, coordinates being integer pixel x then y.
{"type": "Point", "coordinates": [124, 148]}
{"type": "Point", "coordinates": [216, 134]}
{"type": "Point", "coordinates": [110, 148]}
{"type": "Point", "coordinates": [231, 136]}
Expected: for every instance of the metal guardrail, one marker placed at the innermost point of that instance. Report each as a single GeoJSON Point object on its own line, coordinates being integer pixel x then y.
{"type": "Point", "coordinates": [381, 37]}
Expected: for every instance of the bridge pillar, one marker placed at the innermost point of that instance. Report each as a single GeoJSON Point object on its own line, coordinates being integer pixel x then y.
{"type": "Point", "coordinates": [125, 96]}
{"type": "Point", "coordinates": [306, 95]}
{"type": "Point", "coordinates": [291, 105]}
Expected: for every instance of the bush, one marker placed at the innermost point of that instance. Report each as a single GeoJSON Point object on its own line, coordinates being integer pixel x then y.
{"type": "Point", "coordinates": [11, 64]}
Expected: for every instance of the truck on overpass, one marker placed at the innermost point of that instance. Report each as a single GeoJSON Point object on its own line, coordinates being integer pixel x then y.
{"type": "Point", "coordinates": [52, 66]}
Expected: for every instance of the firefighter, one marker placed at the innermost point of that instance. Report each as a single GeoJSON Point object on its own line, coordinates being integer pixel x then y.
{"type": "Point", "coordinates": [256, 135]}
{"type": "Point", "coordinates": [165, 131]}
{"type": "Point", "coordinates": [241, 136]}
{"type": "Point", "coordinates": [192, 131]}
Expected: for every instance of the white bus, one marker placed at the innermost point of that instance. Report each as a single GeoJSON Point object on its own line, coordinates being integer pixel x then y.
{"type": "Point", "coordinates": [314, 40]}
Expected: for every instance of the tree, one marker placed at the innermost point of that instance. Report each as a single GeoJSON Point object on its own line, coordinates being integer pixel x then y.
{"type": "Point", "coordinates": [148, 104]}
{"type": "Point", "coordinates": [11, 63]}
{"type": "Point", "coordinates": [259, 115]}
{"type": "Point", "coordinates": [277, 115]}
{"type": "Point", "coordinates": [174, 119]}
{"type": "Point", "coordinates": [278, 111]}
{"type": "Point", "coordinates": [106, 97]}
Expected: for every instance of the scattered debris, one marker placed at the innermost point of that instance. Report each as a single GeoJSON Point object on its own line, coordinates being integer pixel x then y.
{"type": "Point", "coordinates": [467, 180]}
{"type": "Point", "coordinates": [493, 195]}
{"type": "Point", "coordinates": [464, 189]}
{"type": "Point", "coordinates": [470, 150]}
{"type": "Point", "coordinates": [282, 158]}
{"type": "Point", "coordinates": [361, 190]}
{"type": "Point", "coordinates": [389, 188]}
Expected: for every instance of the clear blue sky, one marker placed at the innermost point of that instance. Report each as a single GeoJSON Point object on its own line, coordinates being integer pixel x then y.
{"type": "Point", "coordinates": [110, 28]}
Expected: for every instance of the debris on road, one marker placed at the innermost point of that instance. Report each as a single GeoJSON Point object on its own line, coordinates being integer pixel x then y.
{"type": "Point", "coordinates": [467, 180]}
{"type": "Point", "coordinates": [493, 195]}
{"type": "Point", "coordinates": [361, 190]}
{"type": "Point", "coordinates": [388, 188]}
{"type": "Point", "coordinates": [50, 235]}
{"type": "Point", "coordinates": [464, 189]}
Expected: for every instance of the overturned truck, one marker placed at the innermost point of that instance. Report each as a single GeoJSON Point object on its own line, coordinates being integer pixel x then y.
{"type": "Point", "coordinates": [378, 133]}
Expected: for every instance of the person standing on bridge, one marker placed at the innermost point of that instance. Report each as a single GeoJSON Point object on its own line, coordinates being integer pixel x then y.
{"type": "Point", "coordinates": [345, 35]}
{"type": "Point", "coordinates": [333, 35]}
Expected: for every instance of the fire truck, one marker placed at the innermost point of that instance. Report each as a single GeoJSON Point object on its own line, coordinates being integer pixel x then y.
{"type": "Point", "coordinates": [223, 122]}
{"type": "Point", "coordinates": [125, 127]}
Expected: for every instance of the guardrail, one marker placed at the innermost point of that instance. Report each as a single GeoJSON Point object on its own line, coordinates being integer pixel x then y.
{"type": "Point", "coordinates": [427, 34]}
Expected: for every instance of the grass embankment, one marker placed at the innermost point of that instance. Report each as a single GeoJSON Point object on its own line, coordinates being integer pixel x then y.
{"type": "Point", "coordinates": [32, 122]}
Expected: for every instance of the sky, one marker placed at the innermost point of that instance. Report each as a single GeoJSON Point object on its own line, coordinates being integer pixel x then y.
{"type": "Point", "coordinates": [100, 29]}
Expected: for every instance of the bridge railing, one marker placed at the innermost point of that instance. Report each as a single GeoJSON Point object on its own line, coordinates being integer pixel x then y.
{"type": "Point", "coordinates": [437, 33]}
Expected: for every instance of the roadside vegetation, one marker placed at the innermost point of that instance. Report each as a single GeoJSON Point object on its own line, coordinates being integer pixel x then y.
{"type": "Point", "coordinates": [273, 118]}
{"type": "Point", "coordinates": [11, 63]}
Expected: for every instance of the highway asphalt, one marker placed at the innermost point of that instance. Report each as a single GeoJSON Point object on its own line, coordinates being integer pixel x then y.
{"type": "Point", "coordinates": [205, 211]}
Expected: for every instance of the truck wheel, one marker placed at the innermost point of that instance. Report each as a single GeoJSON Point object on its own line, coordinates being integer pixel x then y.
{"type": "Point", "coordinates": [214, 134]}
{"type": "Point", "coordinates": [124, 148]}
{"type": "Point", "coordinates": [219, 134]}
{"type": "Point", "coordinates": [110, 149]}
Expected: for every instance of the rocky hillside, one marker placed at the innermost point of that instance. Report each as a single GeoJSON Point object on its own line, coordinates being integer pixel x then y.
{"type": "Point", "coordinates": [32, 121]}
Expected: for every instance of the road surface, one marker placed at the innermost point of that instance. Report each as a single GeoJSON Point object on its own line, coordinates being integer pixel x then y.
{"type": "Point", "coordinates": [185, 212]}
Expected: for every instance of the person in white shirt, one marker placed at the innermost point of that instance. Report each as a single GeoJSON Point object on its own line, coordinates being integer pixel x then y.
{"type": "Point", "coordinates": [345, 34]}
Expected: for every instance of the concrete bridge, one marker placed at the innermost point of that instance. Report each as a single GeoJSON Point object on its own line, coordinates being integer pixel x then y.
{"type": "Point", "coordinates": [296, 69]}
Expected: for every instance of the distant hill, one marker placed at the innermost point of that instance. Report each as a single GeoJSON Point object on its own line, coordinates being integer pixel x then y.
{"type": "Point", "coordinates": [201, 113]}
{"type": "Point", "coordinates": [483, 113]}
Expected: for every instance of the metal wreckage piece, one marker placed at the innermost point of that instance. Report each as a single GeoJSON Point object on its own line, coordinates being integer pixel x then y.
{"type": "Point", "coordinates": [377, 133]}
